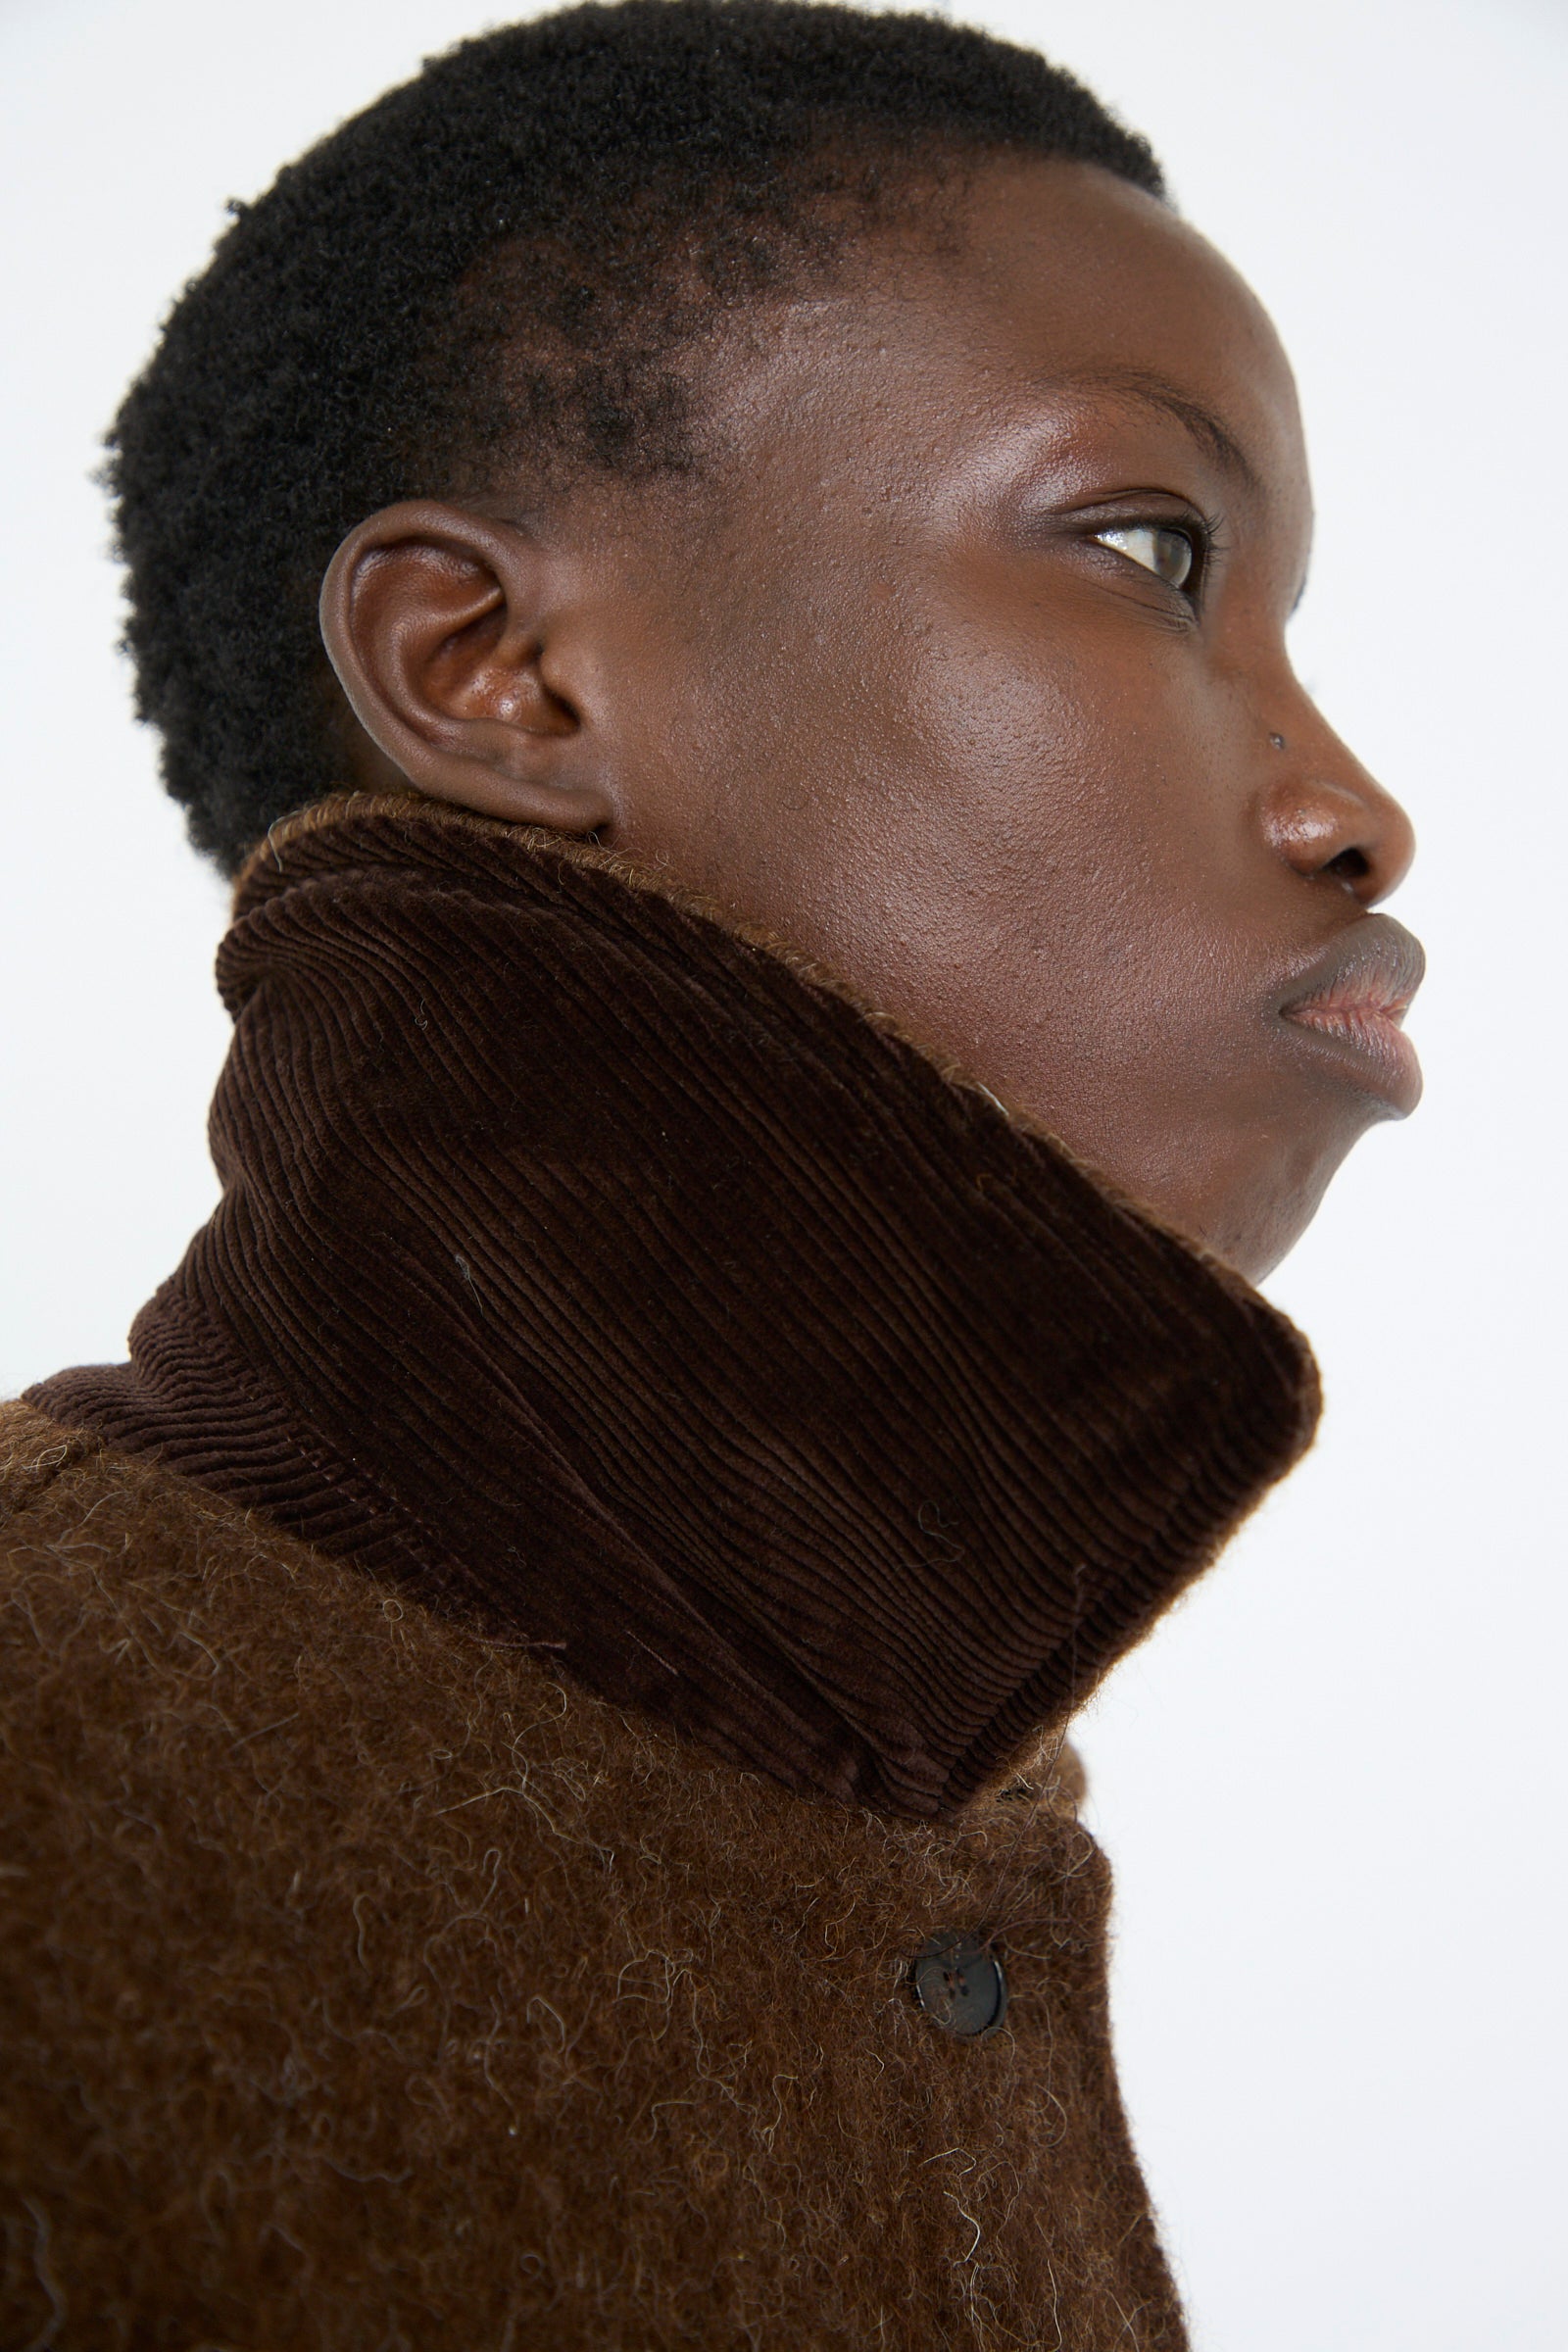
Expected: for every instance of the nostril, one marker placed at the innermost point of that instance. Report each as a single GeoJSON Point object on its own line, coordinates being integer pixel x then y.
{"type": "Point", "coordinates": [1351, 865]}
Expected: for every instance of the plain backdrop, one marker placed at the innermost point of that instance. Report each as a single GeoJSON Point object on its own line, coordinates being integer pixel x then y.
{"type": "Point", "coordinates": [1333, 1784]}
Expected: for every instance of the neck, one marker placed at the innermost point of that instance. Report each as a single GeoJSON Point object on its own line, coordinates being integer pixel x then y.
{"type": "Point", "coordinates": [587, 1267]}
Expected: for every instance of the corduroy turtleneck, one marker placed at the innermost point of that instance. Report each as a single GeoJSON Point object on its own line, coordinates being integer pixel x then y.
{"type": "Point", "coordinates": [585, 1265]}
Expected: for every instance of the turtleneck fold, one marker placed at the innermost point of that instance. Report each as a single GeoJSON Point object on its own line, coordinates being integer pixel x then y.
{"type": "Point", "coordinates": [587, 1267]}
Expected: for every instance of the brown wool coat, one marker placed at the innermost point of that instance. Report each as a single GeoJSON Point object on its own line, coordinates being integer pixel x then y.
{"type": "Point", "coordinates": [500, 1687]}
{"type": "Point", "coordinates": [361, 1985]}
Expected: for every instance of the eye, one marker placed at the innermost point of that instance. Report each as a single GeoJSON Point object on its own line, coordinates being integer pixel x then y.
{"type": "Point", "coordinates": [1170, 554]}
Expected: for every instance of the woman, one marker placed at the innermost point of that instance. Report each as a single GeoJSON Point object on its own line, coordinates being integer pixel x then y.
{"type": "Point", "coordinates": [751, 1121]}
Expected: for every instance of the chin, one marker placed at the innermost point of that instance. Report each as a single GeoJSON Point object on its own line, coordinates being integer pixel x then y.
{"type": "Point", "coordinates": [1258, 1233]}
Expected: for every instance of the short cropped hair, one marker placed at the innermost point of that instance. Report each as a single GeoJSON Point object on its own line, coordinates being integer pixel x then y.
{"type": "Point", "coordinates": [505, 263]}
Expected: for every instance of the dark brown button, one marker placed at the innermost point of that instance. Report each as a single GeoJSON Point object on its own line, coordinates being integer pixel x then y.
{"type": "Point", "coordinates": [959, 1985]}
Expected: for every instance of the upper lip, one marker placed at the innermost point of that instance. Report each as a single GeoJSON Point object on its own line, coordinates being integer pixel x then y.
{"type": "Point", "coordinates": [1370, 973]}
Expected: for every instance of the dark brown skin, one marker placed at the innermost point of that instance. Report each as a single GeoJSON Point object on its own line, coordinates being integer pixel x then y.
{"type": "Point", "coordinates": [878, 683]}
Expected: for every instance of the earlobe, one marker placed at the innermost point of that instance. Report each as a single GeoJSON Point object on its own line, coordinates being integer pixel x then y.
{"type": "Point", "coordinates": [453, 641]}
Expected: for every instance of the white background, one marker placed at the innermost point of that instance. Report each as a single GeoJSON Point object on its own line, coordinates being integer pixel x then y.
{"type": "Point", "coordinates": [1333, 1784]}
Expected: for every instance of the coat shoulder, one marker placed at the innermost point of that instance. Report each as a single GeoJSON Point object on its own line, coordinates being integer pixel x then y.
{"type": "Point", "coordinates": [255, 1925]}
{"type": "Point", "coordinates": [210, 1726]}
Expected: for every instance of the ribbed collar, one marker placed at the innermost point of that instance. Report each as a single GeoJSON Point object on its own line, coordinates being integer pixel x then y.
{"type": "Point", "coordinates": [593, 1269]}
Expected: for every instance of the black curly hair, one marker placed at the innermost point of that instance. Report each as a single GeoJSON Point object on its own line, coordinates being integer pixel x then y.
{"type": "Point", "coordinates": [507, 259]}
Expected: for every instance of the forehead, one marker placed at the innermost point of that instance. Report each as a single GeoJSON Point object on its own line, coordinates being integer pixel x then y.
{"type": "Point", "coordinates": [1050, 296]}
{"type": "Point", "coordinates": [1064, 264]}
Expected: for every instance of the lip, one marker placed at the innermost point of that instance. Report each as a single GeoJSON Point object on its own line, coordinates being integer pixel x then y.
{"type": "Point", "coordinates": [1350, 1003]}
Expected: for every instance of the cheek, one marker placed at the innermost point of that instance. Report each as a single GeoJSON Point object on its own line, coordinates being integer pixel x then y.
{"type": "Point", "coordinates": [1011, 839]}
{"type": "Point", "coordinates": [1077, 868]}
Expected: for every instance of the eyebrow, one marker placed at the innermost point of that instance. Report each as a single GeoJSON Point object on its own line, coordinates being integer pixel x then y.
{"type": "Point", "coordinates": [1156, 392]}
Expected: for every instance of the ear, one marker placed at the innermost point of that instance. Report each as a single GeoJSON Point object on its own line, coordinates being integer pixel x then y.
{"type": "Point", "coordinates": [462, 650]}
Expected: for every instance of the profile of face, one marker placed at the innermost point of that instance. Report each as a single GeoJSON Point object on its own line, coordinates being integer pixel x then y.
{"type": "Point", "coordinates": [962, 668]}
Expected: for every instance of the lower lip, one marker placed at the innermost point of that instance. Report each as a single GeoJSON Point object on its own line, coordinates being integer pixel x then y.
{"type": "Point", "coordinates": [1368, 1044]}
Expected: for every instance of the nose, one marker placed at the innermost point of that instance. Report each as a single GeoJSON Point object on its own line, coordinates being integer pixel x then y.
{"type": "Point", "coordinates": [1330, 820]}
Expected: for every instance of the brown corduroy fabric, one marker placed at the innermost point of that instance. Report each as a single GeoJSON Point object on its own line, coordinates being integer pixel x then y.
{"type": "Point", "coordinates": [583, 1263]}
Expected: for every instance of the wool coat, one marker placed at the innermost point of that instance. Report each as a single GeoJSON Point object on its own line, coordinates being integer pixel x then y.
{"type": "Point", "coordinates": [573, 1599]}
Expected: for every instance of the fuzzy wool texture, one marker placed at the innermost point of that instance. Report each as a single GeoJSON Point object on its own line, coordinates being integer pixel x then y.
{"type": "Point", "coordinates": [364, 1985]}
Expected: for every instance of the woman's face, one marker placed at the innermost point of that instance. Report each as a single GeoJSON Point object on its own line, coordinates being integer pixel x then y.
{"type": "Point", "coordinates": [962, 668]}
{"type": "Point", "coordinates": [977, 689]}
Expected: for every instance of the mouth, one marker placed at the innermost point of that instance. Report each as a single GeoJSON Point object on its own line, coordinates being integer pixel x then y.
{"type": "Point", "coordinates": [1351, 1003]}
